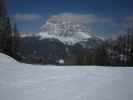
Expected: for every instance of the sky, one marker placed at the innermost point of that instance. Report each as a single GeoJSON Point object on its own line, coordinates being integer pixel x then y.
{"type": "Point", "coordinates": [103, 17]}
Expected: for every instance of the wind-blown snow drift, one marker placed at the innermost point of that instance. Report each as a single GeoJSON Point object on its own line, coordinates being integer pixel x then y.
{"type": "Point", "coordinates": [31, 82]}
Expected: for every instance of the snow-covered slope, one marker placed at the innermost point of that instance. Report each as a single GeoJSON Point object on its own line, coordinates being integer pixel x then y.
{"type": "Point", "coordinates": [4, 59]}
{"type": "Point", "coordinates": [32, 82]}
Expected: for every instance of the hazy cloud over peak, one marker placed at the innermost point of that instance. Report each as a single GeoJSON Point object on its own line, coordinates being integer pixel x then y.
{"type": "Point", "coordinates": [79, 18]}
{"type": "Point", "coordinates": [127, 22]}
{"type": "Point", "coordinates": [26, 16]}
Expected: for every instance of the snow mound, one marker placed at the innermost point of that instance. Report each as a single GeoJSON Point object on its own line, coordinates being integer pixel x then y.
{"type": "Point", "coordinates": [5, 59]}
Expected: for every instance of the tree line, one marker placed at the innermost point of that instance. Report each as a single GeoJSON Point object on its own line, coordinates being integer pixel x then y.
{"type": "Point", "coordinates": [9, 35]}
{"type": "Point", "coordinates": [117, 52]}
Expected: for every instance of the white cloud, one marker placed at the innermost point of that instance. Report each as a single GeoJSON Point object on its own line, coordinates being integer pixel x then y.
{"type": "Point", "coordinates": [127, 22]}
{"type": "Point", "coordinates": [26, 17]}
{"type": "Point", "coordinates": [79, 18]}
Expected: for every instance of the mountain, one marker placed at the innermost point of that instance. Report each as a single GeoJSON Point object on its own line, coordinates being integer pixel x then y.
{"type": "Point", "coordinates": [67, 32]}
{"type": "Point", "coordinates": [59, 39]}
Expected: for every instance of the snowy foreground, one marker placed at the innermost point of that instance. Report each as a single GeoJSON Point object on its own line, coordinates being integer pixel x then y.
{"type": "Point", "coordinates": [33, 82]}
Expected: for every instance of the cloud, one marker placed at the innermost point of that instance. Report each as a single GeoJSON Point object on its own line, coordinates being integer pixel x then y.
{"type": "Point", "coordinates": [79, 18]}
{"type": "Point", "coordinates": [92, 23]}
{"type": "Point", "coordinates": [127, 22]}
{"type": "Point", "coordinates": [124, 24]}
{"type": "Point", "coordinates": [26, 17]}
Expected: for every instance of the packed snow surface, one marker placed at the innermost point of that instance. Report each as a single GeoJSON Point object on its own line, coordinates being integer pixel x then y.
{"type": "Point", "coordinates": [33, 82]}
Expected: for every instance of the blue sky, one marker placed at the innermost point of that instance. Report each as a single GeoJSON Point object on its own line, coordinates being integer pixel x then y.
{"type": "Point", "coordinates": [32, 14]}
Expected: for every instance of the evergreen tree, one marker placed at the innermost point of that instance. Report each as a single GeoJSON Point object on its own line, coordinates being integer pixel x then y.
{"type": "Point", "coordinates": [3, 11]}
{"type": "Point", "coordinates": [5, 29]}
{"type": "Point", "coordinates": [15, 41]}
{"type": "Point", "coordinates": [8, 37]}
{"type": "Point", "coordinates": [101, 56]}
{"type": "Point", "coordinates": [129, 47]}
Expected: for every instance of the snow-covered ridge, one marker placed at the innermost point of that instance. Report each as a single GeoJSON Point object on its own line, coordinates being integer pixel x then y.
{"type": "Point", "coordinates": [66, 40]}
{"type": "Point", "coordinates": [26, 34]}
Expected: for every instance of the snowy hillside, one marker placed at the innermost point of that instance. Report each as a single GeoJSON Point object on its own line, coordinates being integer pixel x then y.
{"type": "Point", "coordinates": [33, 82]}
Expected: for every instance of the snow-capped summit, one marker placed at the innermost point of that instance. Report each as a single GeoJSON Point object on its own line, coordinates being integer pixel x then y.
{"type": "Point", "coordinates": [65, 31]}
{"type": "Point", "coordinates": [67, 28]}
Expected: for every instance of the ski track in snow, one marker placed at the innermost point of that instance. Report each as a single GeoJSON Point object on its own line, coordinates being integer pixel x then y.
{"type": "Point", "coordinates": [35, 82]}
